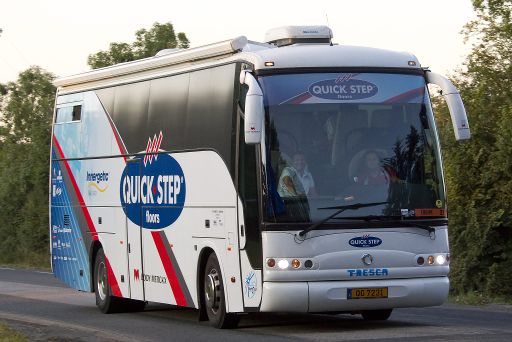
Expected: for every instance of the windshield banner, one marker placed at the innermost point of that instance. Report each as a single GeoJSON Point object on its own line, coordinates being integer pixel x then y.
{"type": "Point", "coordinates": [343, 88]}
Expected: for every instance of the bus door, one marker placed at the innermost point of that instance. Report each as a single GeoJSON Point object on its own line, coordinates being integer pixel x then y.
{"type": "Point", "coordinates": [249, 230]}
{"type": "Point", "coordinates": [134, 246]}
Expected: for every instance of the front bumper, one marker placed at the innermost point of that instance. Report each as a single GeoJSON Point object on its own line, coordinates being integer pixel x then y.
{"type": "Point", "coordinates": [323, 296]}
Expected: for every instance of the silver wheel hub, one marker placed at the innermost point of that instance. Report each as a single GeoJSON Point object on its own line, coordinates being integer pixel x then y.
{"type": "Point", "coordinates": [101, 280]}
{"type": "Point", "coordinates": [212, 290]}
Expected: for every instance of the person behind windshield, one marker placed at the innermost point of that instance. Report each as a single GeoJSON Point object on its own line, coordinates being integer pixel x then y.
{"type": "Point", "coordinates": [372, 172]}
{"type": "Point", "coordinates": [296, 180]}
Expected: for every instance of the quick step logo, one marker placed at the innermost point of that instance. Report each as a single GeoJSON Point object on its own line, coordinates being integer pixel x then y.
{"type": "Point", "coordinates": [153, 190]}
{"type": "Point", "coordinates": [365, 241]}
{"type": "Point", "coordinates": [343, 88]}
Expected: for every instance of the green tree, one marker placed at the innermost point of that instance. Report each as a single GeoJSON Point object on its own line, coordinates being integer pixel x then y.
{"type": "Point", "coordinates": [25, 129]}
{"type": "Point", "coordinates": [147, 44]}
{"type": "Point", "coordinates": [479, 172]}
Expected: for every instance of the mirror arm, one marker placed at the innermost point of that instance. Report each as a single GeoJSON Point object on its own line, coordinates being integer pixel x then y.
{"type": "Point", "coordinates": [454, 102]}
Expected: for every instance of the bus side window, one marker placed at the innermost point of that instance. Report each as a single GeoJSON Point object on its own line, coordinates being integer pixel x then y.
{"type": "Point", "coordinates": [248, 190]}
{"type": "Point", "coordinates": [68, 114]}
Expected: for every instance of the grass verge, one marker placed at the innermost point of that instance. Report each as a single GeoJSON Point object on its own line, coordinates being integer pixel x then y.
{"type": "Point", "coordinates": [9, 335]}
{"type": "Point", "coordinates": [477, 298]}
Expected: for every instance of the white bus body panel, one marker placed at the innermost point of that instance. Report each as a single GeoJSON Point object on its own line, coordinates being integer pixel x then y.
{"type": "Point", "coordinates": [337, 266]}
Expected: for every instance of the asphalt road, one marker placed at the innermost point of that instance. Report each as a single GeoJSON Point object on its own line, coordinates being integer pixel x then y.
{"type": "Point", "coordinates": [46, 310]}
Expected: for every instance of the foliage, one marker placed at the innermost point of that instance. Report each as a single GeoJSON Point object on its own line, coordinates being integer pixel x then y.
{"type": "Point", "coordinates": [10, 335]}
{"type": "Point", "coordinates": [26, 108]}
{"type": "Point", "coordinates": [147, 44]}
{"type": "Point", "coordinates": [479, 172]}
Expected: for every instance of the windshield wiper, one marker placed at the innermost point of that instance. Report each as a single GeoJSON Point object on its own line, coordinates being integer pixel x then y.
{"type": "Point", "coordinates": [391, 219]}
{"type": "Point", "coordinates": [340, 209]}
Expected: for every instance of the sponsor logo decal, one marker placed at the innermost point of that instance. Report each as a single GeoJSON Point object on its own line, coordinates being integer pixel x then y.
{"type": "Point", "coordinates": [57, 229]}
{"type": "Point", "coordinates": [148, 277]}
{"type": "Point", "coordinates": [250, 285]}
{"type": "Point", "coordinates": [57, 176]}
{"type": "Point", "coordinates": [365, 241]}
{"type": "Point", "coordinates": [56, 191]}
{"type": "Point", "coordinates": [370, 272]}
{"type": "Point", "coordinates": [152, 148]}
{"type": "Point", "coordinates": [345, 87]}
{"type": "Point", "coordinates": [153, 190]}
{"type": "Point", "coordinates": [154, 278]}
{"type": "Point", "coordinates": [95, 182]}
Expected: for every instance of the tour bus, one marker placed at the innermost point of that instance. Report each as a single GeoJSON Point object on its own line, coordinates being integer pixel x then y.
{"type": "Point", "coordinates": [294, 175]}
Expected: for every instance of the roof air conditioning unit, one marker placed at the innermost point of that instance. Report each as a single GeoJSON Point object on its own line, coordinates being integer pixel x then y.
{"type": "Point", "coordinates": [288, 35]}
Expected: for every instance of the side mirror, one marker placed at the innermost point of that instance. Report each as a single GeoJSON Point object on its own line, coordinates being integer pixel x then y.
{"type": "Point", "coordinates": [455, 105]}
{"type": "Point", "coordinates": [254, 110]}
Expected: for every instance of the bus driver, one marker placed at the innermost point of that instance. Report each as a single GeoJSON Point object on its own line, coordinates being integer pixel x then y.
{"type": "Point", "coordinates": [296, 180]}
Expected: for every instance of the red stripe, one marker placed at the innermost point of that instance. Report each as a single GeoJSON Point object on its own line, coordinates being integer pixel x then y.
{"type": "Point", "coordinates": [81, 201]}
{"type": "Point", "coordinates": [407, 95]}
{"type": "Point", "coordinates": [169, 270]}
{"type": "Point", "coordinates": [298, 99]}
{"type": "Point", "coordinates": [116, 291]}
{"type": "Point", "coordinates": [118, 140]}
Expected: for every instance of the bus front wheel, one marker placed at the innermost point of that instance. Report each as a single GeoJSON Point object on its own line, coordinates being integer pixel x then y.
{"type": "Point", "coordinates": [214, 297]}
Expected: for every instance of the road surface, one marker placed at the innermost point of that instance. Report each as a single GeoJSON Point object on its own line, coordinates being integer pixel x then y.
{"type": "Point", "coordinates": [41, 307]}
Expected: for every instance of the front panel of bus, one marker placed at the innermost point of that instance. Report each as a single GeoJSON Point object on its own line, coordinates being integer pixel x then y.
{"type": "Point", "coordinates": [352, 161]}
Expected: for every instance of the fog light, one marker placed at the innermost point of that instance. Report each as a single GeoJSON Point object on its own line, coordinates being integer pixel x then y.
{"type": "Point", "coordinates": [308, 264]}
{"type": "Point", "coordinates": [430, 260]}
{"type": "Point", "coordinates": [420, 260]}
{"type": "Point", "coordinates": [440, 259]}
{"type": "Point", "coordinates": [271, 262]}
{"type": "Point", "coordinates": [295, 263]}
{"type": "Point", "coordinates": [283, 264]}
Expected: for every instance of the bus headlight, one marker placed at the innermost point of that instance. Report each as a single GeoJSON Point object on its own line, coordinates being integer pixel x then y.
{"type": "Point", "coordinates": [274, 263]}
{"type": "Point", "coordinates": [440, 259]}
{"type": "Point", "coordinates": [283, 264]}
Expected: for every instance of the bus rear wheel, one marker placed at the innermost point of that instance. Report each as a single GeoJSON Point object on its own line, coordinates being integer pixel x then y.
{"type": "Point", "coordinates": [104, 299]}
{"type": "Point", "coordinates": [376, 315]}
{"type": "Point", "coordinates": [214, 297]}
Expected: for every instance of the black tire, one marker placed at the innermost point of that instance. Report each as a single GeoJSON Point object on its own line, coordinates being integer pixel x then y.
{"type": "Point", "coordinates": [104, 299]}
{"type": "Point", "coordinates": [376, 315]}
{"type": "Point", "coordinates": [214, 297]}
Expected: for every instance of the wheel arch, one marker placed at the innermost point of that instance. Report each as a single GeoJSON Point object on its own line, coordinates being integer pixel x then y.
{"type": "Point", "coordinates": [95, 247]}
{"type": "Point", "coordinates": [201, 263]}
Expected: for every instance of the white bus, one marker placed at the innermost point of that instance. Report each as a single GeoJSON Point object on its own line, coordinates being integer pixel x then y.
{"type": "Point", "coordinates": [294, 175]}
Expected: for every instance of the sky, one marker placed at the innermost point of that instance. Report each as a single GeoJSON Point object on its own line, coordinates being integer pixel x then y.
{"type": "Point", "coordinates": [58, 35]}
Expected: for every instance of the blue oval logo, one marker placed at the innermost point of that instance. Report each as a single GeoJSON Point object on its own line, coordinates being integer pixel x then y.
{"type": "Point", "coordinates": [365, 241]}
{"type": "Point", "coordinates": [343, 89]}
{"type": "Point", "coordinates": [153, 194]}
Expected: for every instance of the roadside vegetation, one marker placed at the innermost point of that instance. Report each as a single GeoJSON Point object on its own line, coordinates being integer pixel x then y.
{"type": "Point", "coordinates": [9, 335]}
{"type": "Point", "coordinates": [478, 172]}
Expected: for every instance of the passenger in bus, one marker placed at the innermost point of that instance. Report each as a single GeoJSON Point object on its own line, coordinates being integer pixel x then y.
{"type": "Point", "coordinates": [372, 173]}
{"type": "Point", "coordinates": [296, 180]}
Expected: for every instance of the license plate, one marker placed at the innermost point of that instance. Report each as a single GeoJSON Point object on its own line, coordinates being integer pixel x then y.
{"type": "Point", "coordinates": [367, 292]}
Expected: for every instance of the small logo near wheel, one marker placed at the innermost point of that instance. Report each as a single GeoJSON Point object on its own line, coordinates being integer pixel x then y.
{"type": "Point", "coordinates": [250, 285]}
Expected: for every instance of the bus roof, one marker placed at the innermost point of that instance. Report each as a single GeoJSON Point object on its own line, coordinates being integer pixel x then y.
{"type": "Point", "coordinates": [264, 57]}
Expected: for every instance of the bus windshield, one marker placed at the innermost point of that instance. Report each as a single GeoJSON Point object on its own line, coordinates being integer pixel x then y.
{"type": "Point", "coordinates": [336, 139]}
